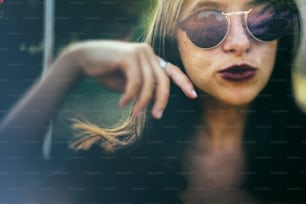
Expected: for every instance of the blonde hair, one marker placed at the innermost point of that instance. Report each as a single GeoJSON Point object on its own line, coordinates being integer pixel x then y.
{"type": "Point", "coordinates": [125, 133]}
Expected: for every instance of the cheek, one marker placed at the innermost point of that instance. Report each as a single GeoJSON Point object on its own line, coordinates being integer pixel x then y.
{"type": "Point", "coordinates": [198, 68]}
{"type": "Point", "coordinates": [269, 55]}
{"type": "Point", "coordinates": [196, 61]}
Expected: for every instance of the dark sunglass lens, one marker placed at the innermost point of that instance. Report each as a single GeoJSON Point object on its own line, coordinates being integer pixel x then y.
{"type": "Point", "coordinates": [268, 23]}
{"type": "Point", "coordinates": [205, 29]}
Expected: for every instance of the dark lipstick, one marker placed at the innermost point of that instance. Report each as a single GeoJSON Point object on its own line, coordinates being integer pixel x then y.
{"type": "Point", "coordinates": [238, 73]}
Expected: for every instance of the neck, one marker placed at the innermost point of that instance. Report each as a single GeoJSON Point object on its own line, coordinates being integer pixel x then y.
{"type": "Point", "coordinates": [216, 159]}
{"type": "Point", "coordinates": [224, 126]}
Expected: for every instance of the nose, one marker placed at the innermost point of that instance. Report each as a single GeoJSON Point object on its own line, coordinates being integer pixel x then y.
{"type": "Point", "coordinates": [237, 41]}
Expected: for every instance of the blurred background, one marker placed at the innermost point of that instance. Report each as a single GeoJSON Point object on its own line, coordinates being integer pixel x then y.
{"type": "Point", "coordinates": [22, 47]}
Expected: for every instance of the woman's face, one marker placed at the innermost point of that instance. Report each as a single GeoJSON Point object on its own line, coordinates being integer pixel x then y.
{"type": "Point", "coordinates": [235, 71]}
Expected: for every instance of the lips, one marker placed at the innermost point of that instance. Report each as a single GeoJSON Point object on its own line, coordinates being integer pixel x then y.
{"type": "Point", "coordinates": [238, 73]}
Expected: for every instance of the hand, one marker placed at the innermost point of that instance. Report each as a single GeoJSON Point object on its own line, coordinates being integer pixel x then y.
{"type": "Point", "coordinates": [132, 68]}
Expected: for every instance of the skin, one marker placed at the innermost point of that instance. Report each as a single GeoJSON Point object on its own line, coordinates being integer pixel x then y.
{"type": "Point", "coordinates": [238, 48]}
{"type": "Point", "coordinates": [219, 145]}
{"type": "Point", "coordinates": [226, 101]}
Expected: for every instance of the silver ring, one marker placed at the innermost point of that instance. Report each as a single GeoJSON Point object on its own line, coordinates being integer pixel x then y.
{"type": "Point", "coordinates": [163, 64]}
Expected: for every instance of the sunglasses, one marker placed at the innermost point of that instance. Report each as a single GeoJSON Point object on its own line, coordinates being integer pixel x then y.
{"type": "Point", "coordinates": [208, 29]}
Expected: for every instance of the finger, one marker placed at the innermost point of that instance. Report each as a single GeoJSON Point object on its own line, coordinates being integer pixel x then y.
{"type": "Point", "coordinates": [181, 80]}
{"type": "Point", "coordinates": [134, 81]}
{"type": "Point", "coordinates": [147, 87]}
{"type": "Point", "coordinates": [162, 90]}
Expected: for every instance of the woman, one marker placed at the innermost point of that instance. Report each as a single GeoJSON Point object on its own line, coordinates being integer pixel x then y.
{"type": "Point", "coordinates": [236, 137]}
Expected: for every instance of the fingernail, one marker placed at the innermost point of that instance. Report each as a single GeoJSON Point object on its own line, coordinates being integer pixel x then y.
{"type": "Point", "coordinates": [194, 93]}
{"type": "Point", "coordinates": [159, 114]}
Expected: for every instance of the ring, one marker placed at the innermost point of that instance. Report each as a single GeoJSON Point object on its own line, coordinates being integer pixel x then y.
{"type": "Point", "coordinates": [163, 64]}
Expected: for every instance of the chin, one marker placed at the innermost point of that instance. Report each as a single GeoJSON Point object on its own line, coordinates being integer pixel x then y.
{"type": "Point", "coordinates": [241, 98]}
{"type": "Point", "coordinates": [238, 101]}
{"type": "Point", "coordinates": [231, 98]}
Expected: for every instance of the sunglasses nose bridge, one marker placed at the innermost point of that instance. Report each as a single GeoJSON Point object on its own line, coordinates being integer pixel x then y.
{"type": "Point", "coordinates": [239, 17]}
{"type": "Point", "coordinates": [242, 17]}
{"type": "Point", "coordinates": [237, 39]}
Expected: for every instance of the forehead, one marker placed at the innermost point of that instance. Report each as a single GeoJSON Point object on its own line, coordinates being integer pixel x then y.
{"type": "Point", "coordinates": [227, 5]}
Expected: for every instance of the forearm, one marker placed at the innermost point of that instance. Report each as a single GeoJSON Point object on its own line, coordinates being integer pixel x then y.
{"type": "Point", "coordinates": [29, 119]}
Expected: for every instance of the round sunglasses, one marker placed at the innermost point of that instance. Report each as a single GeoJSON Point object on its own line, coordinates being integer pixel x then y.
{"type": "Point", "coordinates": [208, 28]}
